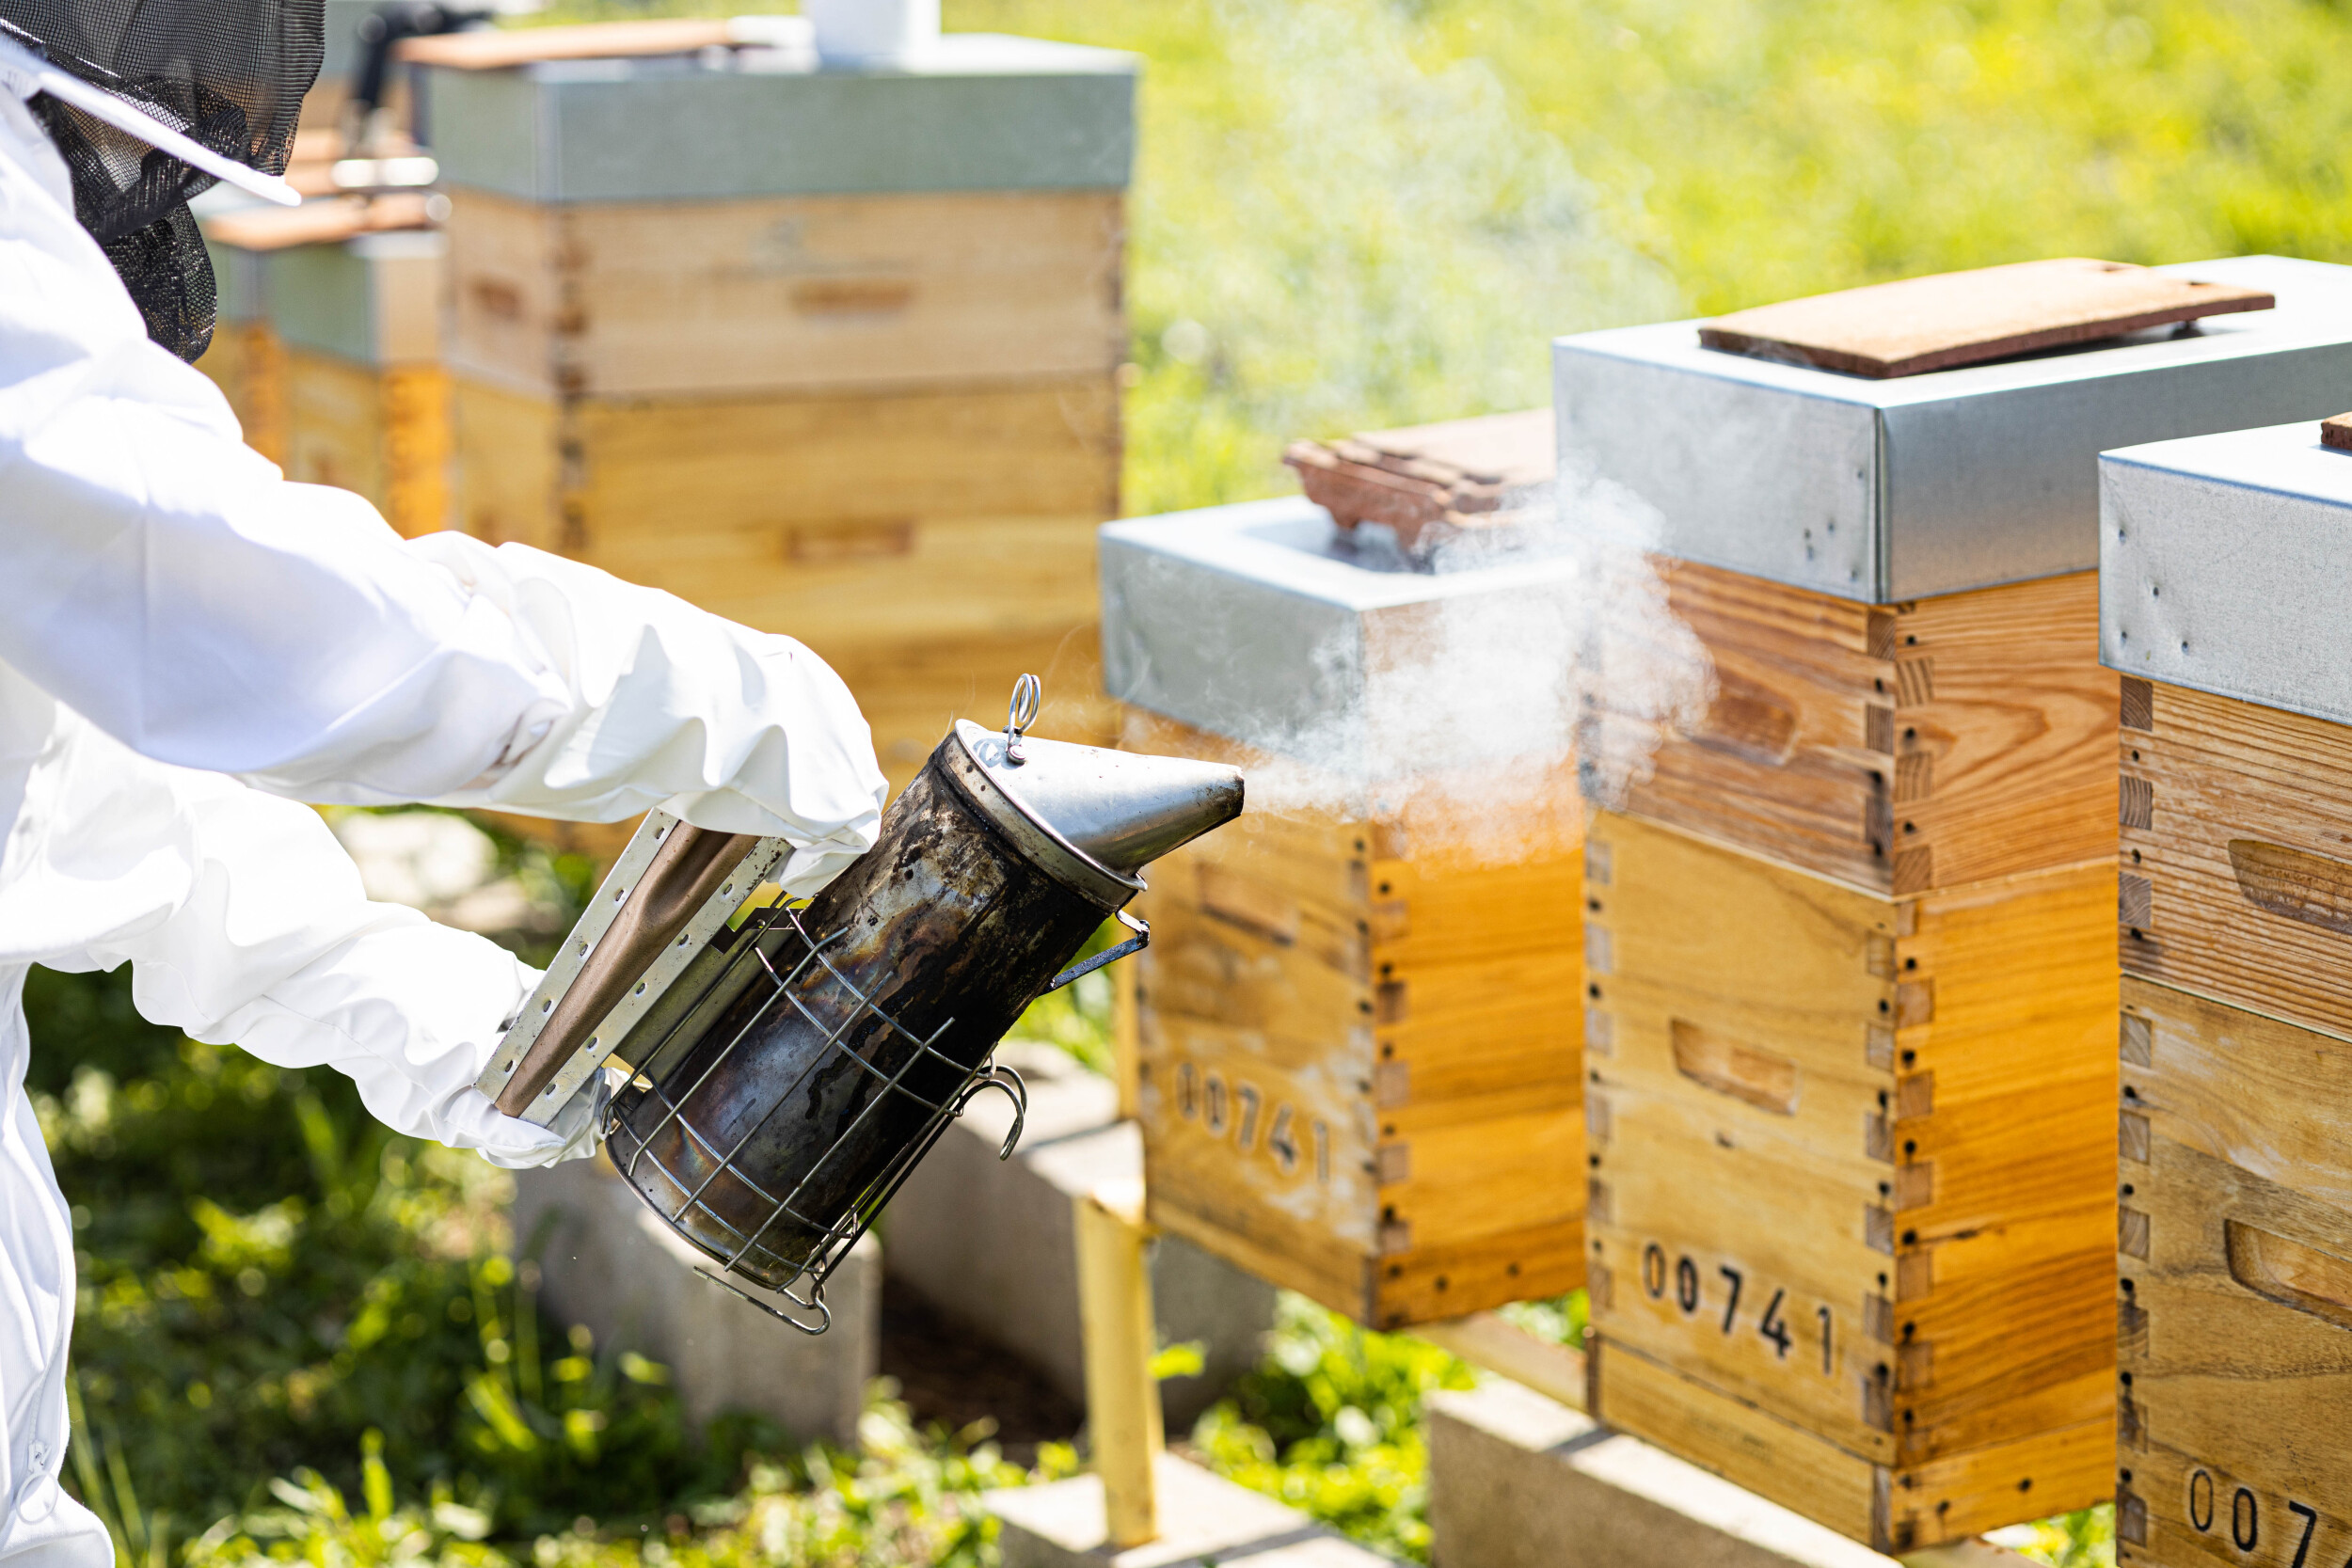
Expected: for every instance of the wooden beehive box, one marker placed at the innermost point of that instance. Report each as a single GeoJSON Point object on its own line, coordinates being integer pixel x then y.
{"type": "Point", "coordinates": [830, 353]}
{"type": "Point", "coordinates": [1356, 1025]}
{"type": "Point", "coordinates": [1848, 984]}
{"type": "Point", "coordinates": [2234, 1286]}
{"type": "Point", "coordinates": [329, 347]}
{"type": "Point", "coordinates": [1850, 1192]}
{"type": "Point", "coordinates": [2220, 559]}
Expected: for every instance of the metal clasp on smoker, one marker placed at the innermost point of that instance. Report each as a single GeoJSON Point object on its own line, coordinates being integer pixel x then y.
{"type": "Point", "coordinates": [1028, 695]}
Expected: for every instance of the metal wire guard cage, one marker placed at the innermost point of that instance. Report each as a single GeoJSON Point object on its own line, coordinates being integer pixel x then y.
{"type": "Point", "coordinates": [819, 1228]}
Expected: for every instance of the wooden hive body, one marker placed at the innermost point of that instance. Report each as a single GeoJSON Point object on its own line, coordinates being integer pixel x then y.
{"type": "Point", "coordinates": [329, 350]}
{"type": "Point", "coordinates": [2234, 1287]}
{"type": "Point", "coordinates": [2221, 583]}
{"type": "Point", "coordinates": [1895, 748]}
{"type": "Point", "coordinates": [2234, 1223]}
{"type": "Point", "coordinates": [860, 395]}
{"type": "Point", "coordinates": [1356, 1056]}
{"type": "Point", "coordinates": [1851, 1181]}
{"type": "Point", "coordinates": [931, 543]}
{"type": "Point", "coordinates": [1848, 987]}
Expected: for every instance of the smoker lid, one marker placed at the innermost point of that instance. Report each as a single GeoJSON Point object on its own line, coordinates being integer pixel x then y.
{"type": "Point", "coordinates": [1090, 816]}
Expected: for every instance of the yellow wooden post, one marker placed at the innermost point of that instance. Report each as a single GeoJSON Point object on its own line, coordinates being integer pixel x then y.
{"type": "Point", "coordinates": [1126, 978]}
{"type": "Point", "coordinates": [1122, 1396]}
{"type": "Point", "coordinates": [263, 411]}
{"type": "Point", "coordinates": [416, 449]}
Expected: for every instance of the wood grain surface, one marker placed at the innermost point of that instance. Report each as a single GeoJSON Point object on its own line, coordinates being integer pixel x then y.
{"type": "Point", "coordinates": [1928, 744]}
{"type": "Point", "coordinates": [1893, 1509]}
{"type": "Point", "coordinates": [931, 547]}
{"type": "Point", "coordinates": [1358, 1070]}
{"type": "Point", "coordinates": [1963, 318]}
{"type": "Point", "coordinates": [1852, 1162]}
{"type": "Point", "coordinates": [2234, 1300]}
{"type": "Point", "coordinates": [785, 294]}
{"type": "Point", "coordinates": [498, 49]}
{"type": "Point", "coordinates": [329, 222]}
{"type": "Point", "coordinates": [247, 362]}
{"type": "Point", "coordinates": [2237, 855]}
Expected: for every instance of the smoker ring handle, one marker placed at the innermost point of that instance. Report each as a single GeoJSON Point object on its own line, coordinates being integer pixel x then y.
{"type": "Point", "coordinates": [1027, 694]}
{"type": "Point", "coordinates": [1136, 943]}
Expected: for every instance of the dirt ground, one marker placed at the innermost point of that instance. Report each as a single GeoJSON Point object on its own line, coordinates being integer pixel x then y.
{"type": "Point", "coordinates": [947, 1376]}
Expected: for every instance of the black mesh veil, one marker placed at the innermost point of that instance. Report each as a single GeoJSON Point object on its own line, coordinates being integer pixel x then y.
{"type": "Point", "coordinates": [228, 73]}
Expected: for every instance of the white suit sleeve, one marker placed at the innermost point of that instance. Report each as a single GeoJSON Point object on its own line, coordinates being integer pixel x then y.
{"type": "Point", "coordinates": [245, 923]}
{"type": "Point", "coordinates": [170, 585]}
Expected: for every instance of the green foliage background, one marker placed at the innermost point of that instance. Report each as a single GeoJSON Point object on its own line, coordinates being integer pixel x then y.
{"type": "Point", "coordinates": [1379, 211]}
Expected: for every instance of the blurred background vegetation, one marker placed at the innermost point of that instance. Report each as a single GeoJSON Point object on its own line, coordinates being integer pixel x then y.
{"type": "Point", "coordinates": [1352, 214]}
{"type": "Point", "coordinates": [1355, 213]}
{"type": "Point", "coordinates": [303, 1338]}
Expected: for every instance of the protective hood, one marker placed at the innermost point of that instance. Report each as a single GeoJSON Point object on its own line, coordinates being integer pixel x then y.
{"type": "Point", "coordinates": [150, 102]}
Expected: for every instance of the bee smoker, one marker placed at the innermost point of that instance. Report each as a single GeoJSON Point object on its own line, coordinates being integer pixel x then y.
{"type": "Point", "coordinates": [766, 1074]}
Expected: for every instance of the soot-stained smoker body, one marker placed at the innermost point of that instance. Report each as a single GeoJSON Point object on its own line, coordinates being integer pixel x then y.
{"type": "Point", "coordinates": [767, 1075]}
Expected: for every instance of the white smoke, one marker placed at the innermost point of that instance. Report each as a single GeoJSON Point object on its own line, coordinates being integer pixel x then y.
{"type": "Point", "coordinates": [1369, 242]}
{"type": "Point", "coordinates": [1470, 719]}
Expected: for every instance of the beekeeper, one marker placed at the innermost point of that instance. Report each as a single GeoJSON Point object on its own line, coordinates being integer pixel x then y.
{"type": "Point", "coordinates": [190, 645]}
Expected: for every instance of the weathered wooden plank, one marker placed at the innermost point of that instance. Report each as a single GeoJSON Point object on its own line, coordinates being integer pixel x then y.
{"type": "Point", "coordinates": [247, 362]}
{"type": "Point", "coordinates": [494, 49]}
{"type": "Point", "coordinates": [2244, 867]}
{"type": "Point", "coordinates": [1899, 1509]}
{"type": "Point", "coordinates": [2002, 702]}
{"type": "Point", "coordinates": [932, 548]}
{"type": "Point", "coordinates": [1916, 325]}
{"type": "Point", "coordinates": [1433, 1279]}
{"type": "Point", "coordinates": [791, 294]}
{"type": "Point", "coordinates": [847, 472]}
{"type": "Point", "coordinates": [2047, 1472]}
{"type": "Point", "coordinates": [335, 424]}
{"type": "Point", "coordinates": [1930, 744]}
{"type": "Point", "coordinates": [508, 462]}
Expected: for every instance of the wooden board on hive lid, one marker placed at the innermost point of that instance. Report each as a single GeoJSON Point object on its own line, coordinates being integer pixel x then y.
{"type": "Point", "coordinates": [1965, 317]}
{"type": "Point", "coordinates": [1356, 1025]}
{"type": "Point", "coordinates": [1461, 474]}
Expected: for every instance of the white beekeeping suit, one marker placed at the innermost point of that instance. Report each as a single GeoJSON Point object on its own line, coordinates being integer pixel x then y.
{"type": "Point", "coordinates": [189, 645]}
